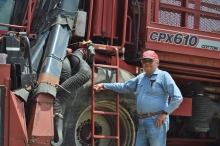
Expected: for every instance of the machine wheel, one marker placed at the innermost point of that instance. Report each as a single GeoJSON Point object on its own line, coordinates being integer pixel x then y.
{"type": "Point", "coordinates": [77, 127]}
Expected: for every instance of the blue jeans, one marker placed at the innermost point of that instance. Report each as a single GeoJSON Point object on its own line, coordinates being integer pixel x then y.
{"type": "Point", "coordinates": [149, 135]}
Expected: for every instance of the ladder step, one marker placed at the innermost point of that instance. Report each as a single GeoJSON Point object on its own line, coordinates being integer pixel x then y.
{"type": "Point", "coordinates": [105, 113]}
{"type": "Point", "coordinates": [106, 137]}
{"type": "Point", "coordinates": [116, 113]}
{"type": "Point", "coordinates": [106, 66]}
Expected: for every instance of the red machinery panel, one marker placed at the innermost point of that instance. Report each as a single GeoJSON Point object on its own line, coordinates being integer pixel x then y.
{"type": "Point", "coordinates": [17, 122]}
{"type": "Point", "coordinates": [185, 34]}
{"type": "Point", "coordinates": [186, 28]}
{"type": "Point", "coordinates": [104, 18]}
{"type": "Point", "coordinates": [185, 108]}
{"type": "Point", "coordinates": [5, 73]}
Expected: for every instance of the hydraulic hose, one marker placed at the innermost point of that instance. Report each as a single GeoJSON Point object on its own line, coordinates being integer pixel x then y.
{"type": "Point", "coordinates": [29, 53]}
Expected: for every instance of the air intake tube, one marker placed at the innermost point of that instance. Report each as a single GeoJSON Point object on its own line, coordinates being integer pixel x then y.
{"type": "Point", "coordinates": [81, 74]}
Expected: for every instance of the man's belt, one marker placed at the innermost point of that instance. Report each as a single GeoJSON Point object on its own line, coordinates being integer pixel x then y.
{"type": "Point", "coordinates": [149, 115]}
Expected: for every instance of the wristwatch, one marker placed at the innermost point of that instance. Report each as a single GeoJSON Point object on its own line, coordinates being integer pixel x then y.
{"type": "Point", "coordinates": [164, 112]}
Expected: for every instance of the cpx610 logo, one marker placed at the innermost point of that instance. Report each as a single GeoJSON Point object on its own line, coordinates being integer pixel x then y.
{"type": "Point", "coordinates": [177, 39]}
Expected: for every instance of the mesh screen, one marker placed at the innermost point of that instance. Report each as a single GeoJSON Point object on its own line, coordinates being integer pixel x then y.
{"type": "Point", "coordinates": [173, 17]}
{"type": "Point", "coordinates": [209, 23]}
{"type": "Point", "coordinates": [169, 17]}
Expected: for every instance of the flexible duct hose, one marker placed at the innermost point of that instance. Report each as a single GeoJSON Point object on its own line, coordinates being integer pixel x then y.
{"type": "Point", "coordinates": [74, 82]}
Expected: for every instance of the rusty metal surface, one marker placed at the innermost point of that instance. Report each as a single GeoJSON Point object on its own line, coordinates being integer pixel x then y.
{"type": "Point", "coordinates": [48, 78]}
{"type": "Point", "coordinates": [41, 128]}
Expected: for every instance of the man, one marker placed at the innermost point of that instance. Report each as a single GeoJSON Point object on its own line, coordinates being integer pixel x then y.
{"type": "Point", "coordinates": [153, 89]}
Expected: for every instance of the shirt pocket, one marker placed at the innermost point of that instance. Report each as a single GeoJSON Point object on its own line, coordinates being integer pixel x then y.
{"type": "Point", "coordinates": [155, 88]}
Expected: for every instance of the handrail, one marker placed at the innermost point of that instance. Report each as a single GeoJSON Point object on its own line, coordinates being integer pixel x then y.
{"type": "Point", "coordinates": [93, 111]}
{"type": "Point", "coordinates": [189, 10]}
{"type": "Point", "coordinates": [13, 26]}
{"type": "Point", "coordinates": [29, 13]}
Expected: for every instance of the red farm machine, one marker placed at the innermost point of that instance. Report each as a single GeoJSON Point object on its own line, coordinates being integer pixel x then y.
{"type": "Point", "coordinates": [52, 52]}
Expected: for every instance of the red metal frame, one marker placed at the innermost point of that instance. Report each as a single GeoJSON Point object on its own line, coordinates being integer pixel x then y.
{"type": "Point", "coordinates": [26, 23]}
{"type": "Point", "coordinates": [29, 14]}
{"type": "Point", "coordinates": [184, 19]}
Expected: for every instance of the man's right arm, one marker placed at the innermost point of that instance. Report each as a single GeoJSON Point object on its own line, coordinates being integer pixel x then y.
{"type": "Point", "coordinates": [127, 87]}
{"type": "Point", "coordinates": [98, 87]}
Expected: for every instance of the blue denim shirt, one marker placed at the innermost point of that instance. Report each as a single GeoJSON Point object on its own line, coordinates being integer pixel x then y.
{"type": "Point", "coordinates": [152, 92]}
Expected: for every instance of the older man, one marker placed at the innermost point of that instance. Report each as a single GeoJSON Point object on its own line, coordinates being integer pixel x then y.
{"type": "Point", "coordinates": [153, 88]}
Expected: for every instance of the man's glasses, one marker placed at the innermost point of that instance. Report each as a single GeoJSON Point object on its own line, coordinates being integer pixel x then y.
{"type": "Point", "coordinates": [143, 61]}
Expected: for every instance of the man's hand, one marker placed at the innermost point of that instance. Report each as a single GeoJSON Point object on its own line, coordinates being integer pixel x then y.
{"type": "Point", "coordinates": [98, 87]}
{"type": "Point", "coordinates": [160, 120]}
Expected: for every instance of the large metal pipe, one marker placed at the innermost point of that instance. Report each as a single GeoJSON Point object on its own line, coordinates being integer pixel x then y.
{"type": "Point", "coordinates": [54, 54]}
{"type": "Point", "coordinates": [37, 51]}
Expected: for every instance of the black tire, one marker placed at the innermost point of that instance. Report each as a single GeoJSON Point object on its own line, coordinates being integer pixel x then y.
{"type": "Point", "coordinates": [77, 118]}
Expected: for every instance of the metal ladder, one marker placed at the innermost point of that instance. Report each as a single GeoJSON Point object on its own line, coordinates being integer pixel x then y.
{"type": "Point", "coordinates": [93, 111]}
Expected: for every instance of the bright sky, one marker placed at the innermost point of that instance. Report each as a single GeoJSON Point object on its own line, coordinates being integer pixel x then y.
{"type": "Point", "coordinates": [5, 12]}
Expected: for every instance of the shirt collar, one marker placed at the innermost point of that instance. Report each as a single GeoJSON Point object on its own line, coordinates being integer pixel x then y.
{"type": "Point", "coordinates": [156, 71]}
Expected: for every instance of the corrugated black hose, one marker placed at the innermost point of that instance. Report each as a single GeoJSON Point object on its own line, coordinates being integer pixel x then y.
{"type": "Point", "coordinates": [82, 75]}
